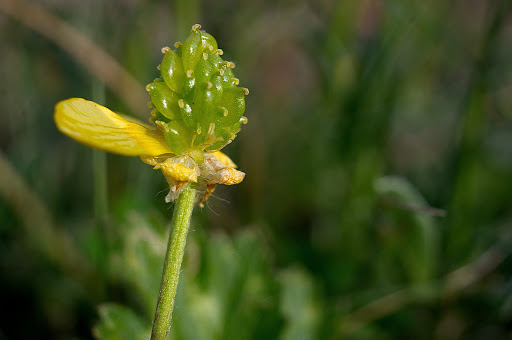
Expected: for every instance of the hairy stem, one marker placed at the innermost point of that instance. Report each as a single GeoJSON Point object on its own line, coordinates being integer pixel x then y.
{"type": "Point", "coordinates": [175, 250]}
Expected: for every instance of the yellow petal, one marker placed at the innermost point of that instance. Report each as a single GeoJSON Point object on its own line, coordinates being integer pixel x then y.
{"type": "Point", "coordinates": [177, 172]}
{"type": "Point", "coordinates": [98, 127]}
{"type": "Point", "coordinates": [223, 159]}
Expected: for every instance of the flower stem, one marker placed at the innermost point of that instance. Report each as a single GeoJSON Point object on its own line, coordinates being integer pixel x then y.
{"type": "Point", "coordinates": [175, 250]}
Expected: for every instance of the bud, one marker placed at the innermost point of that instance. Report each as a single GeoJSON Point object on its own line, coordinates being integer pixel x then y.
{"type": "Point", "coordinates": [198, 102]}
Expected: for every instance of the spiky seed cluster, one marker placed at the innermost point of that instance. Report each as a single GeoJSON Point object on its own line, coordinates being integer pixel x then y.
{"type": "Point", "coordinates": [198, 105]}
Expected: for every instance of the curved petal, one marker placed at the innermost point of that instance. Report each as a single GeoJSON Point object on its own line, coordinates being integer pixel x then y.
{"type": "Point", "coordinates": [98, 127]}
{"type": "Point", "coordinates": [177, 172]}
{"type": "Point", "coordinates": [223, 159]}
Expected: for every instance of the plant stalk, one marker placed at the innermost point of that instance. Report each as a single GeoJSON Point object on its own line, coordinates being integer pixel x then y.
{"type": "Point", "coordinates": [172, 265]}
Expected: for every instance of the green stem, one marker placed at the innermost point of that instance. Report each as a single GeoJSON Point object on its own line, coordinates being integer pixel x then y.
{"type": "Point", "coordinates": [175, 250]}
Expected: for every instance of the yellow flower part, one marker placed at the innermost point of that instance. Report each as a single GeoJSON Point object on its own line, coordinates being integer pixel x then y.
{"type": "Point", "coordinates": [179, 172]}
{"type": "Point", "coordinates": [98, 127]}
{"type": "Point", "coordinates": [223, 159]}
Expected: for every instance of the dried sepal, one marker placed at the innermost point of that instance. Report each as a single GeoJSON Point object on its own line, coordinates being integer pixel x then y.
{"type": "Point", "coordinates": [210, 188]}
{"type": "Point", "coordinates": [220, 169]}
{"type": "Point", "coordinates": [227, 176]}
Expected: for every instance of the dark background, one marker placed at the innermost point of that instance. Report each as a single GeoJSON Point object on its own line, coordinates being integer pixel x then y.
{"type": "Point", "coordinates": [378, 154]}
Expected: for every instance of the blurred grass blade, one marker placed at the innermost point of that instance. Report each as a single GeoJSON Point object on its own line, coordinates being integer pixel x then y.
{"type": "Point", "coordinates": [39, 226]}
{"type": "Point", "coordinates": [411, 235]}
{"type": "Point", "coordinates": [96, 60]}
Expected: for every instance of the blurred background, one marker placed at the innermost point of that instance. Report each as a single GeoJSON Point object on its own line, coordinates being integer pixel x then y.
{"type": "Point", "coordinates": [378, 154]}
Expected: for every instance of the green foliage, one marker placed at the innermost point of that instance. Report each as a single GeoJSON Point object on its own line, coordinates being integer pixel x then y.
{"type": "Point", "coordinates": [299, 305]}
{"type": "Point", "coordinates": [119, 323]}
{"type": "Point", "coordinates": [408, 236]}
{"type": "Point", "coordinates": [378, 159]}
{"type": "Point", "coordinates": [138, 260]}
{"type": "Point", "coordinates": [226, 283]}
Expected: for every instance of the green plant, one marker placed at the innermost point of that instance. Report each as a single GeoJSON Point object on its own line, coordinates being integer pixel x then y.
{"type": "Point", "coordinates": [199, 110]}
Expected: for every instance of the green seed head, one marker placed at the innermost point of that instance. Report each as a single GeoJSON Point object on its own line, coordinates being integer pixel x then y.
{"type": "Point", "coordinates": [198, 104]}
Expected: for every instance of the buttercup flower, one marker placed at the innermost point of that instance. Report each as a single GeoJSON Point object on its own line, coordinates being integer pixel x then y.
{"type": "Point", "coordinates": [198, 110]}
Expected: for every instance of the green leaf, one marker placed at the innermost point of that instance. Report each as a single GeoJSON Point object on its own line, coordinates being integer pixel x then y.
{"type": "Point", "coordinates": [299, 305]}
{"type": "Point", "coordinates": [139, 262]}
{"type": "Point", "coordinates": [228, 293]}
{"type": "Point", "coordinates": [119, 323]}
